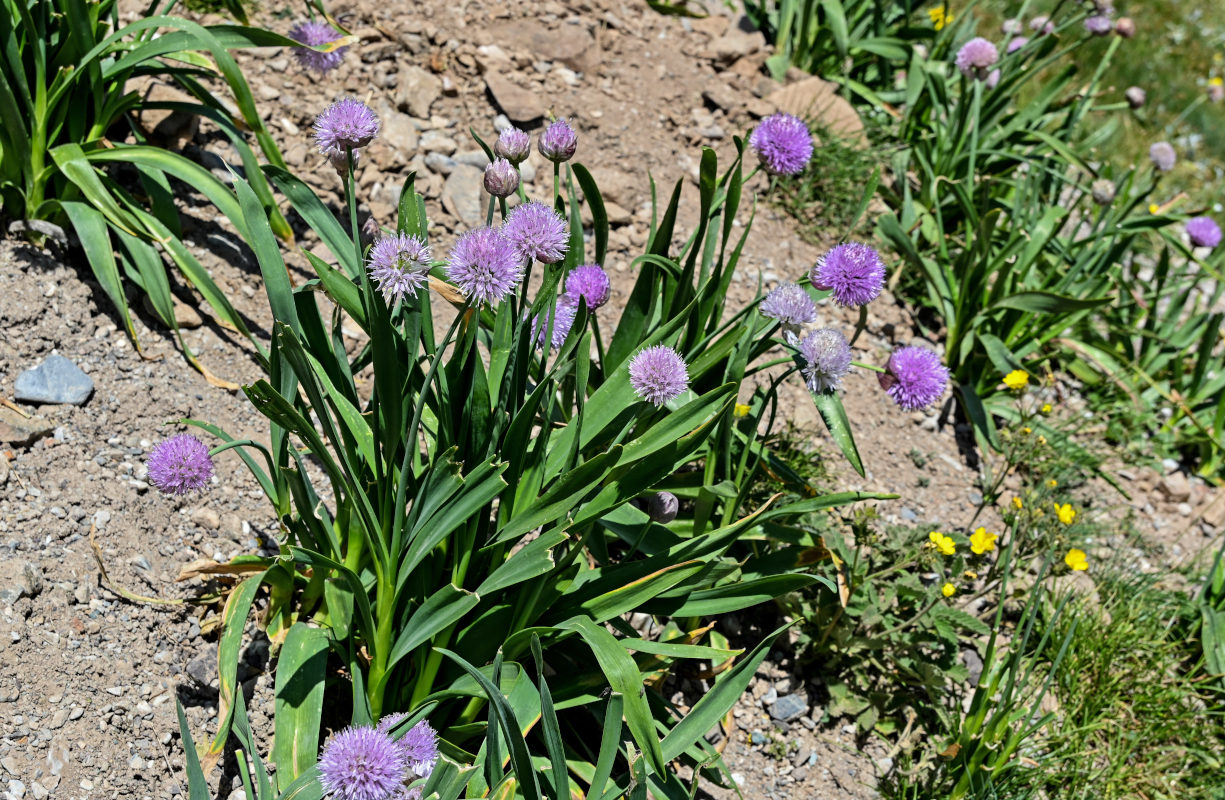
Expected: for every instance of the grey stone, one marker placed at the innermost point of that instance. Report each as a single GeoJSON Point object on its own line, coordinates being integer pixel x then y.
{"type": "Point", "coordinates": [416, 90]}
{"type": "Point", "coordinates": [19, 579]}
{"type": "Point", "coordinates": [203, 668]}
{"type": "Point", "coordinates": [571, 45]}
{"type": "Point", "coordinates": [461, 195]}
{"type": "Point", "coordinates": [740, 40]}
{"type": "Point", "coordinates": [10, 765]}
{"type": "Point", "coordinates": [473, 158]}
{"type": "Point", "coordinates": [41, 227]}
{"type": "Point", "coordinates": [437, 142]}
{"type": "Point", "coordinates": [437, 162]}
{"type": "Point", "coordinates": [519, 105]}
{"type": "Point", "coordinates": [789, 707]}
{"type": "Point", "coordinates": [757, 737]}
{"type": "Point", "coordinates": [17, 790]}
{"type": "Point", "coordinates": [399, 132]}
{"type": "Point", "coordinates": [974, 665]}
{"type": "Point", "coordinates": [39, 791]}
{"type": "Point", "coordinates": [20, 430]}
{"type": "Point", "coordinates": [1175, 487]}
{"type": "Point", "coordinates": [56, 380]}
{"type": "Point", "coordinates": [908, 514]}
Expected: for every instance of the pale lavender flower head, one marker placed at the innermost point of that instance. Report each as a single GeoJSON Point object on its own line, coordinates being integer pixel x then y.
{"type": "Point", "coordinates": [558, 142]}
{"type": "Point", "coordinates": [993, 79]}
{"type": "Point", "coordinates": [852, 271]}
{"type": "Point", "coordinates": [362, 764]}
{"type": "Point", "coordinates": [658, 374]}
{"type": "Point", "coordinates": [1163, 156]}
{"type": "Point", "coordinates": [419, 748]}
{"type": "Point", "coordinates": [316, 33]}
{"type": "Point", "coordinates": [1011, 26]}
{"type": "Point", "coordinates": [347, 123]}
{"type": "Point", "coordinates": [180, 464]}
{"type": "Point", "coordinates": [562, 320]}
{"type": "Point", "coordinates": [1042, 25]}
{"type": "Point", "coordinates": [339, 160]}
{"type": "Point", "coordinates": [1099, 25]}
{"type": "Point", "coordinates": [827, 357]}
{"type": "Point", "coordinates": [915, 379]}
{"type": "Point", "coordinates": [1203, 232]}
{"type": "Point", "coordinates": [783, 144]}
{"type": "Point", "coordinates": [483, 265]}
{"type": "Point", "coordinates": [589, 282]}
{"type": "Point", "coordinates": [789, 304]}
{"type": "Point", "coordinates": [501, 179]}
{"type": "Point", "coordinates": [399, 264]}
{"type": "Point", "coordinates": [513, 145]}
{"type": "Point", "coordinates": [1016, 44]}
{"type": "Point", "coordinates": [976, 58]}
{"type": "Point", "coordinates": [1136, 97]}
{"type": "Point", "coordinates": [1125, 27]}
{"type": "Point", "coordinates": [537, 232]}
{"type": "Point", "coordinates": [662, 507]}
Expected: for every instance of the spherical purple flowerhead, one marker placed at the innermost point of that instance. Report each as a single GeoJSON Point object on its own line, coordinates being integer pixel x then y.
{"type": "Point", "coordinates": [537, 232]}
{"type": "Point", "coordinates": [501, 179]}
{"type": "Point", "coordinates": [1125, 27]}
{"type": "Point", "coordinates": [484, 266]}
{"type": "Point", "coordinates": [513, 145]}
{"type": "Point", "coordinates": [558, 142]}
{"type": "Point", "coordinates": [658, 374]}
{"type": "Point", "coordinates": [1016, 44]}
{"type": "Point", "coordinates": [1163, 156]}
{"type": "Point", "coordinates": [976, 57]}
{"type": "Point", "coordinates": [853, 271]}
{"type": "Point", "coordinates": [1203, 232]}
{"type": "Point", "coordinates": [1011, 26]}
{"type": "Point", "coordinates": [662, 507]}
{"type": "Point", "coordinates": [589, 282]}
{"type": "Point", "coordinates": [180, 464]}
{"type": "Point", "coordinates": [399, 264]}
{"type": "Point", "coordinates": [789, 304]}
{"type": "Point", "coordinates": [1042, 25]}
{"type": "Point", "coordinates": [827, 357]}
{"type": "Point", "coordinates": [419, 747]}
{"type": "Point", "coordinates": [1099, 25]}
{"type": "Point", "coordinates": [316, 33]}
{"type": "Point", "coordinates": [783, 144]}
{"type": "Point", "coordinates": [347, 123]}
{"type": "Point", "coordinates": [915, 379]}
{"type": "Point", "coordinates": [1136, 97]}
{"type": "Point", "coordinates": [561, 318]}
{"type": "Point", "coordinates": [362, 764]}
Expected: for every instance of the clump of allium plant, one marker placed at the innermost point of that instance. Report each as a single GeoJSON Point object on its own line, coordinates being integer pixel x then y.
{"type": "Point", "coordinates": [314, 33]}
{"type": "Point", "coordinates": [501, 179]}
{"type": "Point", "coordinates": [915, 378]}
{"type": "Point", "coordinates": [558, 142]}
{"type": "Point", "coordinates": [180, 464]}
{"type": "Point", "coordinates": [789, 304]}
{"type": "Point", "coordinates": [589, 282]}
{"type": "Point", "coordinates": [1163, 156]}
{"type": "Point", "coordinates": [827, 356]}
{"type": "Point", "coordinates": [513, 145]}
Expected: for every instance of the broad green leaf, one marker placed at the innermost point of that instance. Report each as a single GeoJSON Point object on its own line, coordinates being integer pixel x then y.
{"type": "Point", "coordinates": [833, 414]}
{"type": "Point", "coordinates": [233, 623]}
{"type": "Point", "coordinates": [301, 667]}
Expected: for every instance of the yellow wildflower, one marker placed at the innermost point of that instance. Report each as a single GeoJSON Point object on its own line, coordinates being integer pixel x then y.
{"type": "Point", "coordinates": [942, 543]}
{"type": "Point", "coordinates": [970, 575]}
{"type": "Point", "coordinates": [1217, 81]}
{"type": "Point", "coordinates": [1075, 559]}
{"type": "Point", "coordinates": [1066, 513]}
{"type": "Point", "coordinates": [1051, 483]}
{"type": "Point", "coordinates": [948, 590]}
{"type": "Point", "coordinates": [742, 410]}
{"type": "Point", "coordinates": [1017, 379]}
{"type": "Point", "coordinates": [1046, 408]}
{"type": "Point", "coordinates": [1153, 208]}
{"type": "Point", "coordinates": [1041, 439]}
{"type": "Point", "coordinates": [940, 17]}
{"type": "Point", "coordinates": [1016, 502]}
{"type": "Point", "coordinates": [1027, 430]}
{"type": "Point", "coordinates": [982, 541]}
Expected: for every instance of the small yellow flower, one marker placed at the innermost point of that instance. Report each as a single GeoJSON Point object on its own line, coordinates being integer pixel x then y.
{"type": "Point", "coordinates": [1153, 208]}
{"type": "Point", "coordinates": [1075, 559]}
{"type": "Point", "coordinates": [1051, 483]}
{"type": "Point", "coordinates": [1016, 502]}
{"type": "Point", "coordinates": [1038, 512]}
{"type": "Point", "coordinates": [1017, 379]}
{"type": "Point", "coordinates": [982, 541]}
{"type": "Point", "coordinates": [1041, 439]}
{"type": "Point", "coordinates": [742, 410]}
{"type": "Point", "coordinates": [942, 543]}
{"type": "Point", "coordinates": [940, 17]}
{"type": "Point", "coordinates": [1027, 430]}
{"type": "Point", "coordinates": [948, 590]}
{"type": "Point", "coordinates": [1046, 408]}
{"type": "Point", "coordinates": [970, 575]}
{"type": "Point", "coordinates": [1217, 81]}
{"type": "Point", "coordinates": [1067, 514]}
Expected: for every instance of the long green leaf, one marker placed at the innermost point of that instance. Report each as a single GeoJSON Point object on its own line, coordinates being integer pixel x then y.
{"type": "Point", "coordinates": [301, 667]}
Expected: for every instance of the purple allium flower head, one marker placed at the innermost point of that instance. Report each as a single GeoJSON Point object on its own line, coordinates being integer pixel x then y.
{"type": "Point", "coordinates": [180, 464]}
{"type": "Point", "coordinates": [399, 264]}
{"type": "Point", "coordinates": [1163, 156]}
{"type": "Point", "coordinates": [915, 379]}
{"type": "Point", "coordinates": [1016, 44]}
{"type": "Point", "coordinates": [316, 33]}
{"type": "Point", "coordinates": [344, 124]}
{"type": "Point", "coordinates": [1042, 25]}
{"type": "Point", "coordinates": [658, 374]}
{"type": "Point", "coordinates": [827, 357]}
{"type": "Point", "coordinates": [561, 318]}
{"type": "Point", "coordinates": [1203, 232]}
{"type": "Point", "coordinates": [993, 79]}
{"type": "Point", "coordinates": [789, 304]}
{"type": "Point", "coordinates": [513, 145]}
{"type": "Point", "coordinates": [362, 764]}
{"type": "Point", "coordinates": [484, 265]}
{"type": "Point", "coordinates": [558, 142]}
{"type": "Point", "coordinates": [783, 144]}
{"type": "Point", "coordinates": [419, 747]}
{"type": "Point", "coordinates": [1099, 25]}
{"type": "Point", "coordinates": [589, 282]}
{"type": "Point", "coordinates": [537, 232]}
{"type": "Point", "coordinates": [853, 271]}
{"type": "Point", "coordinates": [1136, 97]}
{"type": "Point", "coordinates": [976, 57]}
{"type": "Point", "coordinates": [1011, 26]}
{"type": "Point", "coordinates": [662, 507]}
{"type": "Point", "coordinates": [1125, 27]}
{"type": "Point", "coordinates": [501, 179]}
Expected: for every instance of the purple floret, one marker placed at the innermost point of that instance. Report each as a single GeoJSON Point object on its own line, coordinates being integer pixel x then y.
{"type": "Point", "coordinates": [976, 58]}
{"type": "Point", "coordinates": [1016, 44]}
{"type": "Point", "coordinates": [513, 145]}
{"type": "Point", "coordinates": [419, 748]}
{"type": "Point", "coordinates": [658, 374]}
{"type": "Point", "coordinates": [1099, 25]}
{"type": "Point", "coordinates": [180, 464]}
{"type": "Point", "coordinates": [561, 318]}
{"type": "Point", "coordinates": [853, 272]}
{"type": "Point", "coordinates": [558, 142]}
{"type": "Point", "coordinates": [789, 304]}
{"type": "Point", "coordinates": [483, 265]}
{"type": "Point", "coordinates": [591, 283]}
{"type": "Point", "coordinates": [1163, 156]}
{"type": "Point", "coordinates": [314, 34]}
{"type": "Point", "coordinates": [400, 265]}
{"type": "Point", "coordinates": [501, 179]}
{"type": "Point", "coordinates": [915, 378]}
{"type": "Point", "coordinates": [362, 764]}
{"type": "Point", "coordinates": [1203, 232]}
{"type": "Point", "coordinates": [783, 144]}
{"type": "Point", "coordinates": [537, 232]}
{"type": "Point", "coordinates": [827, 357]}
{"type": "Point", "coordinates": [345, 124]}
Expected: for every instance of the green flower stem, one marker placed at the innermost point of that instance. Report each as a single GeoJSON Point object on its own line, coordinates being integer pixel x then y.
{"type": "Point", "coordinates": [385, 600]}
{"type": "Point", "coordinates": [860, 325]}
{"type": "Point", "coordinates": [599, 342]}
{"type": "Point", "coordinates": [489, 212]}
{"type": "Point", "coordinates": [556, 182]}
{"type": "Point", "coordinates": [872, 367]}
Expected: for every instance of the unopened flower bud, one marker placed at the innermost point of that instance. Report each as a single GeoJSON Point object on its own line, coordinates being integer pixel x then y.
{"type": "Point", "coordinates": [501, 179]}
{"type": "Point", "coordinates": [1125, 27]}
{"type": "Point", "coordinates": [662, 507]}
{"type": "Point", "coordinates": [558, 142]}
{"type": "Point", "coordinates": [1103, 192]}
{"type": "Point", "coordinates": [513, 145]}
{"type": "Point", "coordinates": [339, 160]}
{"type": "Point", "coordinates": [1136, 96]}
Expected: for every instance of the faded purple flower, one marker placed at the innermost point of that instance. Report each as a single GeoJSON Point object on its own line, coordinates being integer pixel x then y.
{"type": "Point", "coordinates": [783, 144]}
{"type": "Point", "coordinates": [1099, 25]}
{"type": "Point", "coordinates": [976, 58]}
{"type": "Point", "coordinates": [362, 764]}
{"type": "Point", "coordinates": [1103, 191]}
{"type": "Point", "coordinates": [347, 123]}
{"type": "Point", "coordinates": [1011, 26]}
{"type": "Point", "coordinates": [915, 378]}
{"type": "Point", "coordinates": [1016, 44]}
{"type": "Point", "coordinates": [827, 357]}
{"type": "Point", "coordinates": [1125, 27]}
{"type": "Point", "coordinates": [1042, 25]}
{"type": "Point", "coordinates": [993, 79]}
{"type": "Point", "coordinates": [1163, 156]}
{"type": "Point", "coordinates": [658, 374]}
{"type": "Point", "coordinates": [501, 179]}
{"type": "Point", "coordinates": [589, 282]}
{"type": "Point", "coordinates": [789, 304]}
{"type": "Point", "coordinates": [513, 145]}
{"type": "Point", "coordinates": [558, 142]}
{"type": "Point", "coordinates": [536, 232]}
{"type": "Point", "coordinates": [400, 265]}
{"type": "Point", "coordinates": [180, 464]}
{"type": "Point", "coordinates": [662, 507]}
{"type": "Point", "coordinates": [561, 318]}
{"type": "Point", "coordinates": [484, 266]}
{"type": "Point", "coordinates": [1136, 97]}
{"type": "Point", "coordinates": [339, 160]}
{"type": "Point", "coordinates": [1203, 232]}
{"type": "Point", "coordinates": [419, 747]}
{"type": "Point", "coordinates": [852, 271]}
{"type": "Point", "coordinates": [314, 34]}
